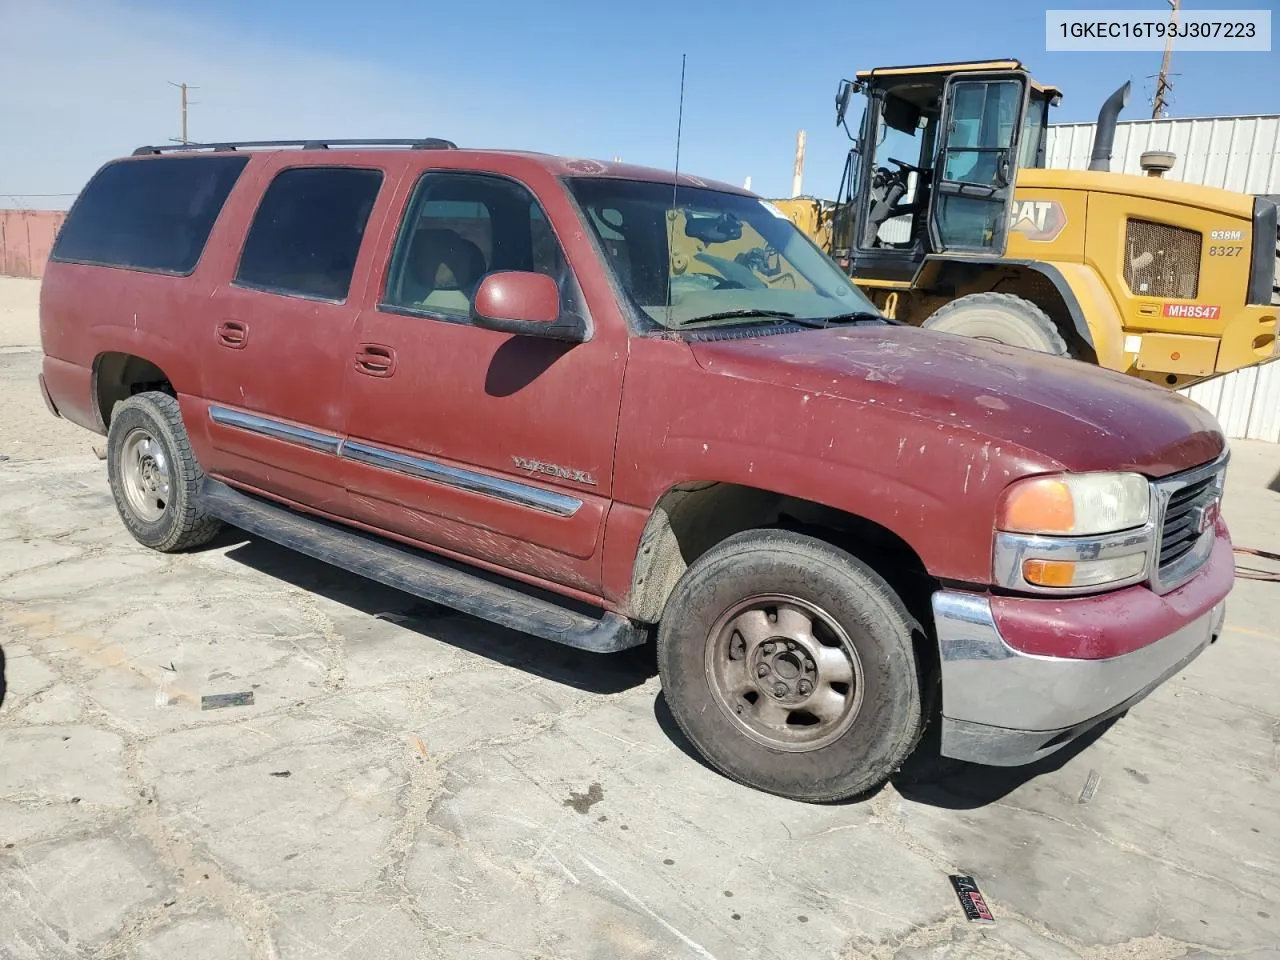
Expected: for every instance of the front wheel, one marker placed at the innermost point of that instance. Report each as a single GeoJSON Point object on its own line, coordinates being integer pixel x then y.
{"type": "Point", "coordinates": [789, 665]}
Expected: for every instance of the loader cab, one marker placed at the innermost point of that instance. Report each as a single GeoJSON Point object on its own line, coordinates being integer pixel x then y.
{"type": "Point", "coordinates": [933, 163]}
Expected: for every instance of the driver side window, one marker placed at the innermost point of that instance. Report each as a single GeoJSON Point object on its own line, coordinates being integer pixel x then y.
{"type": "Point", "coordinates": [458, 228]}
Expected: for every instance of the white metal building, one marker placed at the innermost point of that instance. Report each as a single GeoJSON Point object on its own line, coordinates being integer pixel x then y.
{"type": "Point", "coordinates": [1237, 153]}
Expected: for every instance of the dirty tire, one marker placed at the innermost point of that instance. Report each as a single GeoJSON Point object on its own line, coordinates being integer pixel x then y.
{"type": "Point", "coordinates": [178, 524]}
{"type": "Point", "coordinates": [1001, 317]}
{"type": "Point", "coordinates": [885, 727]}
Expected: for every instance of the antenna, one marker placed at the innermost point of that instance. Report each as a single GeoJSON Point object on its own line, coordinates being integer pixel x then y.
{"type": "Point", "coordinates": [1163, 84]}
{"type": "Point", "coordinates": [675, 183]}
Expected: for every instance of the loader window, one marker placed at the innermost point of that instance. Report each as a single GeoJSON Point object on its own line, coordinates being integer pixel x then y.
{"type": "Point", "coordinates": [1033, 131]}
{"type": "Point", "coordinates": [984, 117]}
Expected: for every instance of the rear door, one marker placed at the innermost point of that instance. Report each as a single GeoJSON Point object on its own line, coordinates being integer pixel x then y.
{"type": "Point", "coordinates": [277, 344]}
{"type": "Point", "coordinates": [977, 162]}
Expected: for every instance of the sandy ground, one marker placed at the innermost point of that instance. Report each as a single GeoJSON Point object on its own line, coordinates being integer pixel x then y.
{"type": "Point", "coordinates": [409, 783]}
{"type": "Point", "coordinates": [19, 312]}
{"type": "Point", "coordinates": [26, 427]}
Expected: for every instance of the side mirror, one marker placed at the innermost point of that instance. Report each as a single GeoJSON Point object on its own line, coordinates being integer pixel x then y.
{"type": "Point", "coordinates": [526, 304]}
{"type": "Point", "coordinates": [843, 93]}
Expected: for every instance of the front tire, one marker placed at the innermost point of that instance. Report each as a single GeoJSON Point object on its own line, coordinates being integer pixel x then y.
{"type": "Point", "coordinates": [789, 665]}
{"type": "Point", "coordinates": [1001, 318]}
{"type": "Point", "coordinates": [154, 476]}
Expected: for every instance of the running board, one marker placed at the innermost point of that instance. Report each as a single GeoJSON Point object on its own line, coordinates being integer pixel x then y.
{"type": "Point", "coordinates": [498, 600]}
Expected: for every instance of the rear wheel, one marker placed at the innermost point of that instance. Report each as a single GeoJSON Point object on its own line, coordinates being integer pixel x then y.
{"type": "Point", "coordinates": [1002, 318]}
{"type": "Point", "coordinates": [154, 475]}
{"type": "Point", "coordinates": [789, 665]}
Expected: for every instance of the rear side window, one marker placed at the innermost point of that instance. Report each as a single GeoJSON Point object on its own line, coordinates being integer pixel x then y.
{"type": "Point", "coordinates": [306, 235]}
{"type": "Point", "coordinates": [153, 214]}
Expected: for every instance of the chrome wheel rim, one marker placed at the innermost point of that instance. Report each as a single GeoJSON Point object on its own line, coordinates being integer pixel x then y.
{"type": "Point", "coordinates": [145, 475]}
{"type": "Point", "coordinates": [784, 672]}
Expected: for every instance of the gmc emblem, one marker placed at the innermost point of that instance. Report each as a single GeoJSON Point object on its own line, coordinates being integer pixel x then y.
{"type": "Point", "coordinates": [1206, 516]}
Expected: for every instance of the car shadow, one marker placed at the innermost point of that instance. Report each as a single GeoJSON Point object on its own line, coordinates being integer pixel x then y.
{"type": "Point", "coordinates": [590, 672]}
{"type": "Point", "coordinates": [927, 777]}
{"type": "Point", "coordinates": [2, 682]}
{"type": "Point", "coordinates": [1274, 485]}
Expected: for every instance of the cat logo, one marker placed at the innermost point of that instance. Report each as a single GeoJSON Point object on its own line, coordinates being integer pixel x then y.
{"type": "Point", "coordinates": [1038, 220]}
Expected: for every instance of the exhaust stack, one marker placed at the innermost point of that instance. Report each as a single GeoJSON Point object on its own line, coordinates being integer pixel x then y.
{"type": "Point", "coordinates": [1105, 135]}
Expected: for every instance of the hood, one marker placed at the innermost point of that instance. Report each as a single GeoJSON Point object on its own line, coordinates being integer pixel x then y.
{"type": "Point", "coordinates": [1064, 414]}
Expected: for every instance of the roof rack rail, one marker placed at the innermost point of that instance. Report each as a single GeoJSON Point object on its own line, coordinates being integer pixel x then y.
{"type": "Point", "coordinates": [422, 143]}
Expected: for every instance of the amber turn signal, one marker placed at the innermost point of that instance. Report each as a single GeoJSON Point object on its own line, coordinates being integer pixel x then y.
{"type": "Point", "coordinates": [1049, 573]}
{"type": "Point", "coordinates": [1040, 505]}
{"type": "Point", "coordinates": [1083, 573]}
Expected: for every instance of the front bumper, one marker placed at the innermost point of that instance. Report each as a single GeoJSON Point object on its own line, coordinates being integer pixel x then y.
{"type": "Point", "coordinates": [1003, 706]}
{"type": "Point", "coordinates": [1249, 337]}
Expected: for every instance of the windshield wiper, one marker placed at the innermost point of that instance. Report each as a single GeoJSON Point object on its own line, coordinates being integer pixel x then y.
{"type": "Point", "coordinates": [855, 316]}
{"type": "Point", "coordinates": [735, 314]}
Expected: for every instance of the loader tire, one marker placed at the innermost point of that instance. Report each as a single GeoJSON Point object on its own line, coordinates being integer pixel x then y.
{"type": "Point", "coordinates": [1000, 318]}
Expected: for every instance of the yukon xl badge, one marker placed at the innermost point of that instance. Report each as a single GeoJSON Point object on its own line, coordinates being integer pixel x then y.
{"type": "Point", "coordinates": [552, 470]}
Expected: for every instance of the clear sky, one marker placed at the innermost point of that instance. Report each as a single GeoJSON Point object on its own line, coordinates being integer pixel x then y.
{"type": "Point", "coordinates": [86, 80]}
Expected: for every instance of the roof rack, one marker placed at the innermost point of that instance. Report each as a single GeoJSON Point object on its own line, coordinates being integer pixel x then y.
{"type": "Point", "coordinates": [422, 143]}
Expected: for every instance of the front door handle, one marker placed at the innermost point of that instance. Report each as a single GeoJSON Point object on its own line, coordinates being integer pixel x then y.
{"type": "Point", "coordinates": [233, 334]}
{"type": "Point", "coordinates": [375, 360]}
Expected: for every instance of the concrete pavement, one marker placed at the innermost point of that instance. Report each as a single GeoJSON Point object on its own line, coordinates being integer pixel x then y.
{"type": "Point", "coordinates": [409, 782]}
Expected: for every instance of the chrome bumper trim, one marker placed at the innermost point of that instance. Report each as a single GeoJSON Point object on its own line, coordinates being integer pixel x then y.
{"type": "Point", "coordinates": [1006, 708]}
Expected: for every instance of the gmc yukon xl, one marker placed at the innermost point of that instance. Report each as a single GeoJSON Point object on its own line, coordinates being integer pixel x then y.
{"type": "Point", "coordinates": [598, 403]}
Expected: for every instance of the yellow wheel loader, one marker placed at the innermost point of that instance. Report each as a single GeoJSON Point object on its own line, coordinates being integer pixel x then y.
{"type": "Point", "coordinates": [948, 218]}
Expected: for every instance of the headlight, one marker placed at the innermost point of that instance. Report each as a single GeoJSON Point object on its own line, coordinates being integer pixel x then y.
{"type": "Point", "coordinates": [1075, 504]}
{"type": "Point", "coordinates": [1074, 533]}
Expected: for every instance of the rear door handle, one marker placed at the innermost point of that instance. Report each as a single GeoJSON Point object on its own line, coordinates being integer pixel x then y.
{"type": "Point", "coordinates": [233, 333]}
{"type": "Point", "coordinates": [375, 360]}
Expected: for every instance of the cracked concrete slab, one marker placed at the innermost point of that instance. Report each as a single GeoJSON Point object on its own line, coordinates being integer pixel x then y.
{"type": "Point", "coordinates": [412, 783]}
{"type": "Point", "coordinates": [201, 937]}
{"type": "Point", "coordinates": [77, 893]}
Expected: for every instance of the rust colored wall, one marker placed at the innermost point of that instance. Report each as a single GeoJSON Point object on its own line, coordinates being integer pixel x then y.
{"type": "Point", "coordinates": [26, 237]}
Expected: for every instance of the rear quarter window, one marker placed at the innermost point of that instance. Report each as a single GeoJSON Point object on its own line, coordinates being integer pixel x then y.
{"type": "Point", "coordinates": [154, 215]}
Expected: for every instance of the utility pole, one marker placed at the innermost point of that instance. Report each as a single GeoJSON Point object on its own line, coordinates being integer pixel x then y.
{"type": "Point", "coordinates": [1163, 83]}
{"type": "Point", "coordinates": [797, 173]}
{"type": "Point", "coordinates": [184, 88]}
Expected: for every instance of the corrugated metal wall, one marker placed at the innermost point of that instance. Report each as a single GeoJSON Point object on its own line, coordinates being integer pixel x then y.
{"type": "Point", "coordinates": [1246, 403]}
{"type": "Point", "coordinates": [1237, 153]}
{"type": "Point", "coordinates": [26, 237]}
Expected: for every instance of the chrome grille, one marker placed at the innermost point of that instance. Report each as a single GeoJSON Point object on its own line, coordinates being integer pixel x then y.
{"type": "Point", "coordinates": [1181, 529]}
{"type": "Point", "coordinates": [1187, 500]}
{"type": "Point", "coordinates": [1161, 261]}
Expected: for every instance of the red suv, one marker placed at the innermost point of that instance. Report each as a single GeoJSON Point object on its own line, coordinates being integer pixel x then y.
{"type": "Point", "coordinates": [595, 402]}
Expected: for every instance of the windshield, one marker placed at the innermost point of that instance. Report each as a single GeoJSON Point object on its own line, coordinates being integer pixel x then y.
{"type": "Point", "coordinates": [718, 258]}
